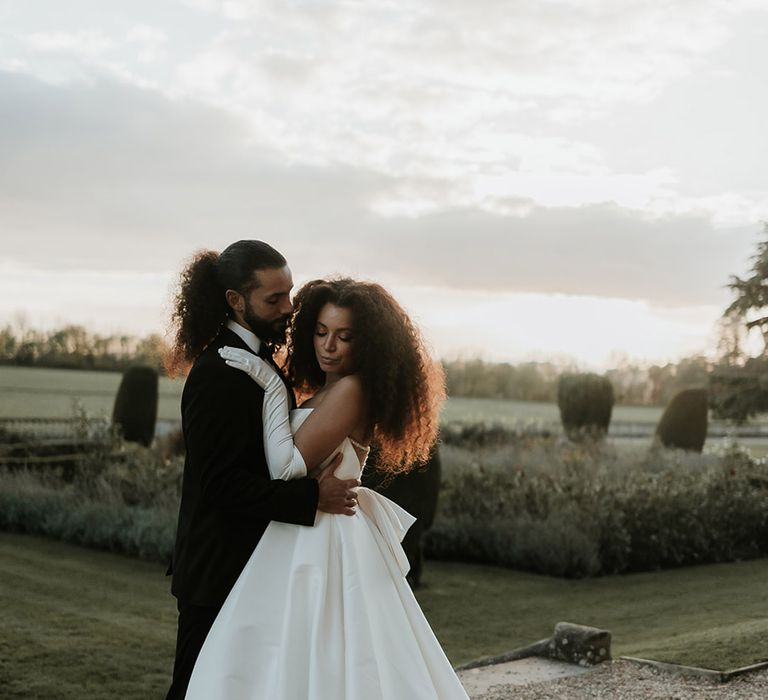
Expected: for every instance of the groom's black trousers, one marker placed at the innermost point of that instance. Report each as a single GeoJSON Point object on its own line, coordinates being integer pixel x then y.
{"type": "Point", "coordinates": [194, 623]}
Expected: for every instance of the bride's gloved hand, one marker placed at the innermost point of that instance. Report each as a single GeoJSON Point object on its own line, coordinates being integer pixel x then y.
{"type": "Point", "coordinates": [284, 460]}
{"type": "Point", "coordinates": [256, 368]}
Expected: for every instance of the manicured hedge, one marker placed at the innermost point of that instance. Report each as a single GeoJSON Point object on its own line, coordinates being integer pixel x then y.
{"type": "Point", "coordinates": [544, 506]}
{"type": "Point", "coordinates": [587, 517]}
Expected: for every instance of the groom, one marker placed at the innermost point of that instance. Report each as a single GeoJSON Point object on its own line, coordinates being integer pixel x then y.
{"type": "Point", "coordinates": [239, 298]}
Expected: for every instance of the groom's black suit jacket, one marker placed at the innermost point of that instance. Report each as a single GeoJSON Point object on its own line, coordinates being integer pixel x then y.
{"type": "Point", "coordinates": [227, 497]}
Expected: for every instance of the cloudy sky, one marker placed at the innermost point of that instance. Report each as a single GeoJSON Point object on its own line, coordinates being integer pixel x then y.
{"type": "Point", "coordinates": [534, 179]}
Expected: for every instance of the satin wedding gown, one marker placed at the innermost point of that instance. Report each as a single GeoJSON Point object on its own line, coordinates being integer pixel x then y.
{"type": "Point", "coordinates": [325, 613]}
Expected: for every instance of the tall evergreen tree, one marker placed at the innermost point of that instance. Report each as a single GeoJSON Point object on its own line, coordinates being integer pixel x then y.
{"type": "Point", "coordinates": [738, 392]}
{"type": "Point", "coordinates": [751, 302]}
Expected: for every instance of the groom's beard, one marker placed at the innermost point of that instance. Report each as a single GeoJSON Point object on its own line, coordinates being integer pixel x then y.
{"type": "Point", "coordinates": [268, 331]}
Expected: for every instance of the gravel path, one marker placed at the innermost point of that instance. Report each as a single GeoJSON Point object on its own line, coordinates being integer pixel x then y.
{"type": "Point", "coordinates": [621, 680]}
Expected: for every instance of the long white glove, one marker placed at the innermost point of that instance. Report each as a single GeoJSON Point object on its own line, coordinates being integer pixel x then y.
{"type": "Point", "coordinates": [283, 459]}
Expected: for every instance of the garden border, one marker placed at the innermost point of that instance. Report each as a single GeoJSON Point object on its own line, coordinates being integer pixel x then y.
{"type": "Point", "coordinates": [696, 671]}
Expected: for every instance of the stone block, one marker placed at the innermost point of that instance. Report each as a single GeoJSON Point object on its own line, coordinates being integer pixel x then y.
{"type": "Point", "coordinates": [578, 644]}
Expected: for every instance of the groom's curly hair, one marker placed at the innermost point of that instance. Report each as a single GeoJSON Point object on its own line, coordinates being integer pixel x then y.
{"type": "Point", "coordinates": [200, 307]}
{"type": "Point", "coordinates": [403, 386]}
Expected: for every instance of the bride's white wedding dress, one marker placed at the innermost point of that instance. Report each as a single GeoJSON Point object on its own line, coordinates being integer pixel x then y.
{"type": "Point", "coordinates": [325, 613]}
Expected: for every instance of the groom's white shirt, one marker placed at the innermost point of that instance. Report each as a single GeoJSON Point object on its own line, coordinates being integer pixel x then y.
{"type": "Point", "coordinates": [248, 337]}
{"type": "Point", "coordinates": [283, 458]}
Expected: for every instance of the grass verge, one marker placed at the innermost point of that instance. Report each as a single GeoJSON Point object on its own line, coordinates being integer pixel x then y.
{"type": "Point", "coordinates": [84, 624]}
{"type": "Point", "coordinates": [714, 616]}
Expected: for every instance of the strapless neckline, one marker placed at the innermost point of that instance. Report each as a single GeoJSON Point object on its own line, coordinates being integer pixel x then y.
{"type": "Point", "coordinates": [355, 443]}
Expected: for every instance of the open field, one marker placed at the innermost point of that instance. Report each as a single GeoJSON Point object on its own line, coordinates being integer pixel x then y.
{"type": "Point", "coordinates": [80, 624]}
{"type": "Point", "coordinates": [48, 393]}
{"type": "Point", "coordinates": [514, 412]}
{"type": "Point", "coordinates": [30, 392]}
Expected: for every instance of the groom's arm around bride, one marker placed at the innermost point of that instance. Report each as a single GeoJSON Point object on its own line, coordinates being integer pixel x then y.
{"type": "Point", "coordinates": [228, 497]}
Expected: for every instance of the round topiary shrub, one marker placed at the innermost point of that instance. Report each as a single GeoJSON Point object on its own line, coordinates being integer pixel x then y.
{"type": "Point", "coordinates": [684, 422]}
{"type": "Point", "coordinates": [586, 404]}
{"type": "Point", "coordinates": [135, 410]}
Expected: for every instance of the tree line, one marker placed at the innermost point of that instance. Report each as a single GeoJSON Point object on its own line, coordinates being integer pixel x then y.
{"type": "Point", "coordinates": [75, 347]}
{"type": "Point", "coordinates": [633, 383]}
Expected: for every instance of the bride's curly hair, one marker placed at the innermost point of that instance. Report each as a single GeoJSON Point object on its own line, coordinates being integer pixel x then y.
{"type": "Point", "coordinates": [403, 386]}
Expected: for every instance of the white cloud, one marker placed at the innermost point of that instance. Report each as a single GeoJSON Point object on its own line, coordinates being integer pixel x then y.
{"type": "Point", "coordinates": [726, 209]}
{"type": "Point", "coordinates": [151, 42]}
{"type": "Point", "coordinates": [475, 93]}
{"type": "Point", "coordinates": [87, 43]}
{"type": "Point", "coordinates": [144, 175]}
{"type": "Point", "coordinates": [483, 94]}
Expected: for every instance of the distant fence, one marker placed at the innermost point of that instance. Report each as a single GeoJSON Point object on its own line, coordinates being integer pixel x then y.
{"type": "Point", "coordinates": [41, 427]}
{"type": "Point", "coordinates": [52, 427]}
{"type": "Point", "coordinates": [458, 431]}
{"type": "Point", "coordinates": [716, 429]}
{"type": "Point", "coordinates": [33, 443]}
{"type": "Point", "coordinates": [55, 427]}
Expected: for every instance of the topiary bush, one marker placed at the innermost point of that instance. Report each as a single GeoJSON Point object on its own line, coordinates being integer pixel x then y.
{"type": "Point", "coordinates": [683, 424]}
{"type": "Point", "coordinates": [135, 410]}
{"type": "Point", "coordinates": [586, 404]}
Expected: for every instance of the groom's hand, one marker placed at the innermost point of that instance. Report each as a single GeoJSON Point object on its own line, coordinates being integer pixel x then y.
{"type": "Point", "coordinates": [337, 496]}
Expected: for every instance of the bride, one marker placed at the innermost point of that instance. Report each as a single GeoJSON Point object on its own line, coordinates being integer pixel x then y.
{"type": "Point", "coordinates": [325, 612]}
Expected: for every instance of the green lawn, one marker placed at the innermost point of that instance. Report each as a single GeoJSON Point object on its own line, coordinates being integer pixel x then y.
{"type": "Point", "coordinates": [80, 624]}
{"type": "Point", "coordinates": [471, 410]}
{"type": "Point", "coordinates": [714, 616]}
{"type": "Point", "coordinates": [47, 393]}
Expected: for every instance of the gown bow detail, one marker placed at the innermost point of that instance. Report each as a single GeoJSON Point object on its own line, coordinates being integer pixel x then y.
{"type": "Point", "coordinates": [390, 520]}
